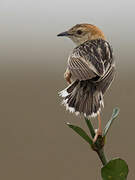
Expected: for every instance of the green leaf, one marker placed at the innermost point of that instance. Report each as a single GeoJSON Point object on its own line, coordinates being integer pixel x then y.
{"type": "Point", "coordinates": [81, 132]}
{"type": "Point", "coordinates": [108, 125]}
{"type": "Point", "coordinates": [116, 169]}
{"type": "Point", "coordinates": [91, 129]}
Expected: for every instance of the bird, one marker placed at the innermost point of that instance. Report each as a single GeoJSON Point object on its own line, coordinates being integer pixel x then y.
{"type": "Point", "coordinates": [89, 73]}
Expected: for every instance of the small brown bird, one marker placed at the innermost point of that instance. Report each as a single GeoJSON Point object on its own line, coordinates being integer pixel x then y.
{"type": "Point", "coordinates": [90, 71]}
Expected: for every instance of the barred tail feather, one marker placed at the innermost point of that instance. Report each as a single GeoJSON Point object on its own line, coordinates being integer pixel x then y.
{"type": "Point", "coordinates": [83, 97]}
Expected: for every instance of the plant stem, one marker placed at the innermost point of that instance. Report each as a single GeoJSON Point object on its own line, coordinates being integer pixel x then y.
{"type": "Point", "coordinates": [98, 146]}
{"type": "Point", "coordinates": [91, 129]}
{"type": "Point", "coordinates": [102, 157]}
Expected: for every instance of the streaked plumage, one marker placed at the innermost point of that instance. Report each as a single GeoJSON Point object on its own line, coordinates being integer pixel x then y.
{"type": "Point", "coordinates": [91, 59]}
{"type": "Point", "coordinates": [92, 64]}
{"type": "Point", "coordinates": [91, 67]}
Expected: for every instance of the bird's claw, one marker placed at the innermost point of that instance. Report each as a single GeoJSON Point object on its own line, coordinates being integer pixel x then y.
{"type": "Point", "coordinates": [98, 133]}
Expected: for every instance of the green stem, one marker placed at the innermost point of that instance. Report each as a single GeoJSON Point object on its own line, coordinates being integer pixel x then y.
{"type": "Point", "coordinates": [102, 157]}
{"type": "Point", "coordinates": [91, 129]}
{"type": "Point", "coordinates": [98, 146]}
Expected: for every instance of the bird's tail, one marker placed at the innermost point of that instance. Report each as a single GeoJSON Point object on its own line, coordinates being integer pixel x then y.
{"type": "Point", "coordinates": [82, 97]}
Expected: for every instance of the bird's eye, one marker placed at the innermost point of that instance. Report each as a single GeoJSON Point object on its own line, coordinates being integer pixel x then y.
{"type": "Point", "coordinates": [79, 32]}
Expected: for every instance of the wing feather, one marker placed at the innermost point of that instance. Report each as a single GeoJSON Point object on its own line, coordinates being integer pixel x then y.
{"type": "Point", "coordinates": [80, 69]}
{"type": "Point", "coordinates": [90, 59]}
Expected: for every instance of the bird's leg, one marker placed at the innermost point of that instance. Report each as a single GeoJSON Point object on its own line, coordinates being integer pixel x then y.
{"type": "Point", "coordinates": [67, 76]}
{"type": "Point", "coordinates": [99, 130]}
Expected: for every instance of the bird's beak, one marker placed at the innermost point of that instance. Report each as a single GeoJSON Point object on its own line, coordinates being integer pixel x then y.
{"type": "Point", "coordinates": [64, 34]}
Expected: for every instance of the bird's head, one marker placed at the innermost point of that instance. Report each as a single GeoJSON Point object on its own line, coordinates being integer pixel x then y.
{"type": "Point", "coordinates": [83, 32]}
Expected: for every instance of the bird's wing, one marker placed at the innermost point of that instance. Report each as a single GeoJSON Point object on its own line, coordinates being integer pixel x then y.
{"type": "Point", "coordinates": [80, 69]}
{"type": "Point", "coordinates": [90, 59]}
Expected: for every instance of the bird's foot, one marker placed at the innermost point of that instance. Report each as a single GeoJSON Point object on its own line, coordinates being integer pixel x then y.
{"type": "Point", "coordinates": [98, 133]}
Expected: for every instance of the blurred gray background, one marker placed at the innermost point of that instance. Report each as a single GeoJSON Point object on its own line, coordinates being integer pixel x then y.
{"type": "Point", "coordinates": [35, 143]}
